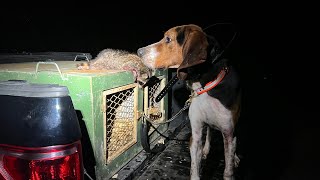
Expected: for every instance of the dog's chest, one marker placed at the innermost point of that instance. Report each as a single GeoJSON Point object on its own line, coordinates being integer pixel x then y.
{"type": "Point", "coordinates": [209, 110]}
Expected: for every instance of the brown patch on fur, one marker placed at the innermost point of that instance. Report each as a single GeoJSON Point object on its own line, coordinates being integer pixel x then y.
{"type": "Point", "coordinates": [194, 49]}
{"type": "Point", "coordinates": [181, 47]}
{"type": "Point", "coordinates": [169, 53]}
{"type": "Point", "coordinates": [174, 54]}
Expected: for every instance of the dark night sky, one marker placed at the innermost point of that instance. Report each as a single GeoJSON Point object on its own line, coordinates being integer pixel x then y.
{"type": "Point", "coordinates": [272, 136]}
{"type": "Point", "coordinates": [92, 29]}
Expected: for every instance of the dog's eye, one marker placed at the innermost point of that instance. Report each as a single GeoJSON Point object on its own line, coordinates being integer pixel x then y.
{"type": "Point", "coordinates": [167, 39]}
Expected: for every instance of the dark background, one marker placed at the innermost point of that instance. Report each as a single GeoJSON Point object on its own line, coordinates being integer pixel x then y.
{"type": "Point", "coordinates": [277, 137]}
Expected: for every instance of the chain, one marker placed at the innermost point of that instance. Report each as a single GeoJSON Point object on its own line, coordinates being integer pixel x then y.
{"type": "Point", "coordinates": [186, 106]}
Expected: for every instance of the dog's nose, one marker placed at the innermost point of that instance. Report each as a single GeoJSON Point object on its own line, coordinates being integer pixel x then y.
{"type": "Point", "coordinates": [140, 52]}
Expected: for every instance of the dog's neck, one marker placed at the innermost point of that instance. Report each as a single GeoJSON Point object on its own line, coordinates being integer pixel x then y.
{"type": "Point", "coordinates": [205, 72]}
{"type": "Point", "coordinates": [226, 91]}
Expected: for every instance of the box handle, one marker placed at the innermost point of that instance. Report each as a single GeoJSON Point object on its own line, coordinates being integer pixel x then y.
{"type": "Point", "coordinates": [53, 63]}
{"type": "Point", "coordinates": [81, 55]}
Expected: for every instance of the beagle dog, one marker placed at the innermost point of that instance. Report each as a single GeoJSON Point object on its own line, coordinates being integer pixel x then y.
{"type": "Point", "coordinates": [214, 84]}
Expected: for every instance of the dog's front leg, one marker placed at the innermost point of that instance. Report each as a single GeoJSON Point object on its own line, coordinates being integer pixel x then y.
{"type": "Point", "coordinates": [195, 151]}
{"type": "Point", "coordinates": [229, 153]}
{"type": "Point", "coordinates": [206, 147]}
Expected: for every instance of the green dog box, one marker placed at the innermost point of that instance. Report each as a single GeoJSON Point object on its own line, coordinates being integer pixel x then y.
{"type": "Point", "coordinates": [109, 105]}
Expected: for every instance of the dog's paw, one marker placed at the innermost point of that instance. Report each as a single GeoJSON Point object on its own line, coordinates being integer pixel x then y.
{"type": "Point", "coordinates": [236, 160]}
{"type": "Point", "coordinates": [205, 153]}
{"type": "Point", "coordinates": [204, 156]}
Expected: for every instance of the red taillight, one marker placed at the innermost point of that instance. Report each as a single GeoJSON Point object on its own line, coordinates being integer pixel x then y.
{"type": "Point", "coordinates": [54, 162]}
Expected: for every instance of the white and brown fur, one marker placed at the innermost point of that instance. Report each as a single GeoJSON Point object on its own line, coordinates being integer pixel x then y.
{"type": "Point", "coordinates": [115, 59]}
{"type": "Point", "coordinates": [186, 47]}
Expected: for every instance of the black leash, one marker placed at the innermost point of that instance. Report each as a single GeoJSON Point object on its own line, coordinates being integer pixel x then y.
{"type": "Point", "coordinates": [151, 81]}
{"type": "Point", "coordinates": [166, 88]}
{"type": "Point", "coordinates": [145, 138]}
{"type": "Point", "coordinates": [145, 143]}
{"type": "Point", "coordinates": [145, 125]}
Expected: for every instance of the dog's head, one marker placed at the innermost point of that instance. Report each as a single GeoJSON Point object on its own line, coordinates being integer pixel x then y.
{"type": "Point", "coordinates": [181, 47]}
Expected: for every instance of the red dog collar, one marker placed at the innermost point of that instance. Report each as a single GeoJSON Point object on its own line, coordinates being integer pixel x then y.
{"type": "Point", "coordinates": [210, 85]}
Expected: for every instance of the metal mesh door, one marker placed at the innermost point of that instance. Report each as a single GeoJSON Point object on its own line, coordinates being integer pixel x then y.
{"type": "Point", "coordinates": [120, 119]}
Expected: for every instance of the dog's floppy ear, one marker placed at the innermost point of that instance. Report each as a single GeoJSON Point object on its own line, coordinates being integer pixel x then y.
{"type": "Point", "coordinates": [194, 48]}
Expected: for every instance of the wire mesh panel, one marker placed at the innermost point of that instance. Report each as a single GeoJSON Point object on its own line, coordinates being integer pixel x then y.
{"type": "Point", "coordinates": [120, 107]}
{"type": "Point", "coordinates": [154, 110]}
